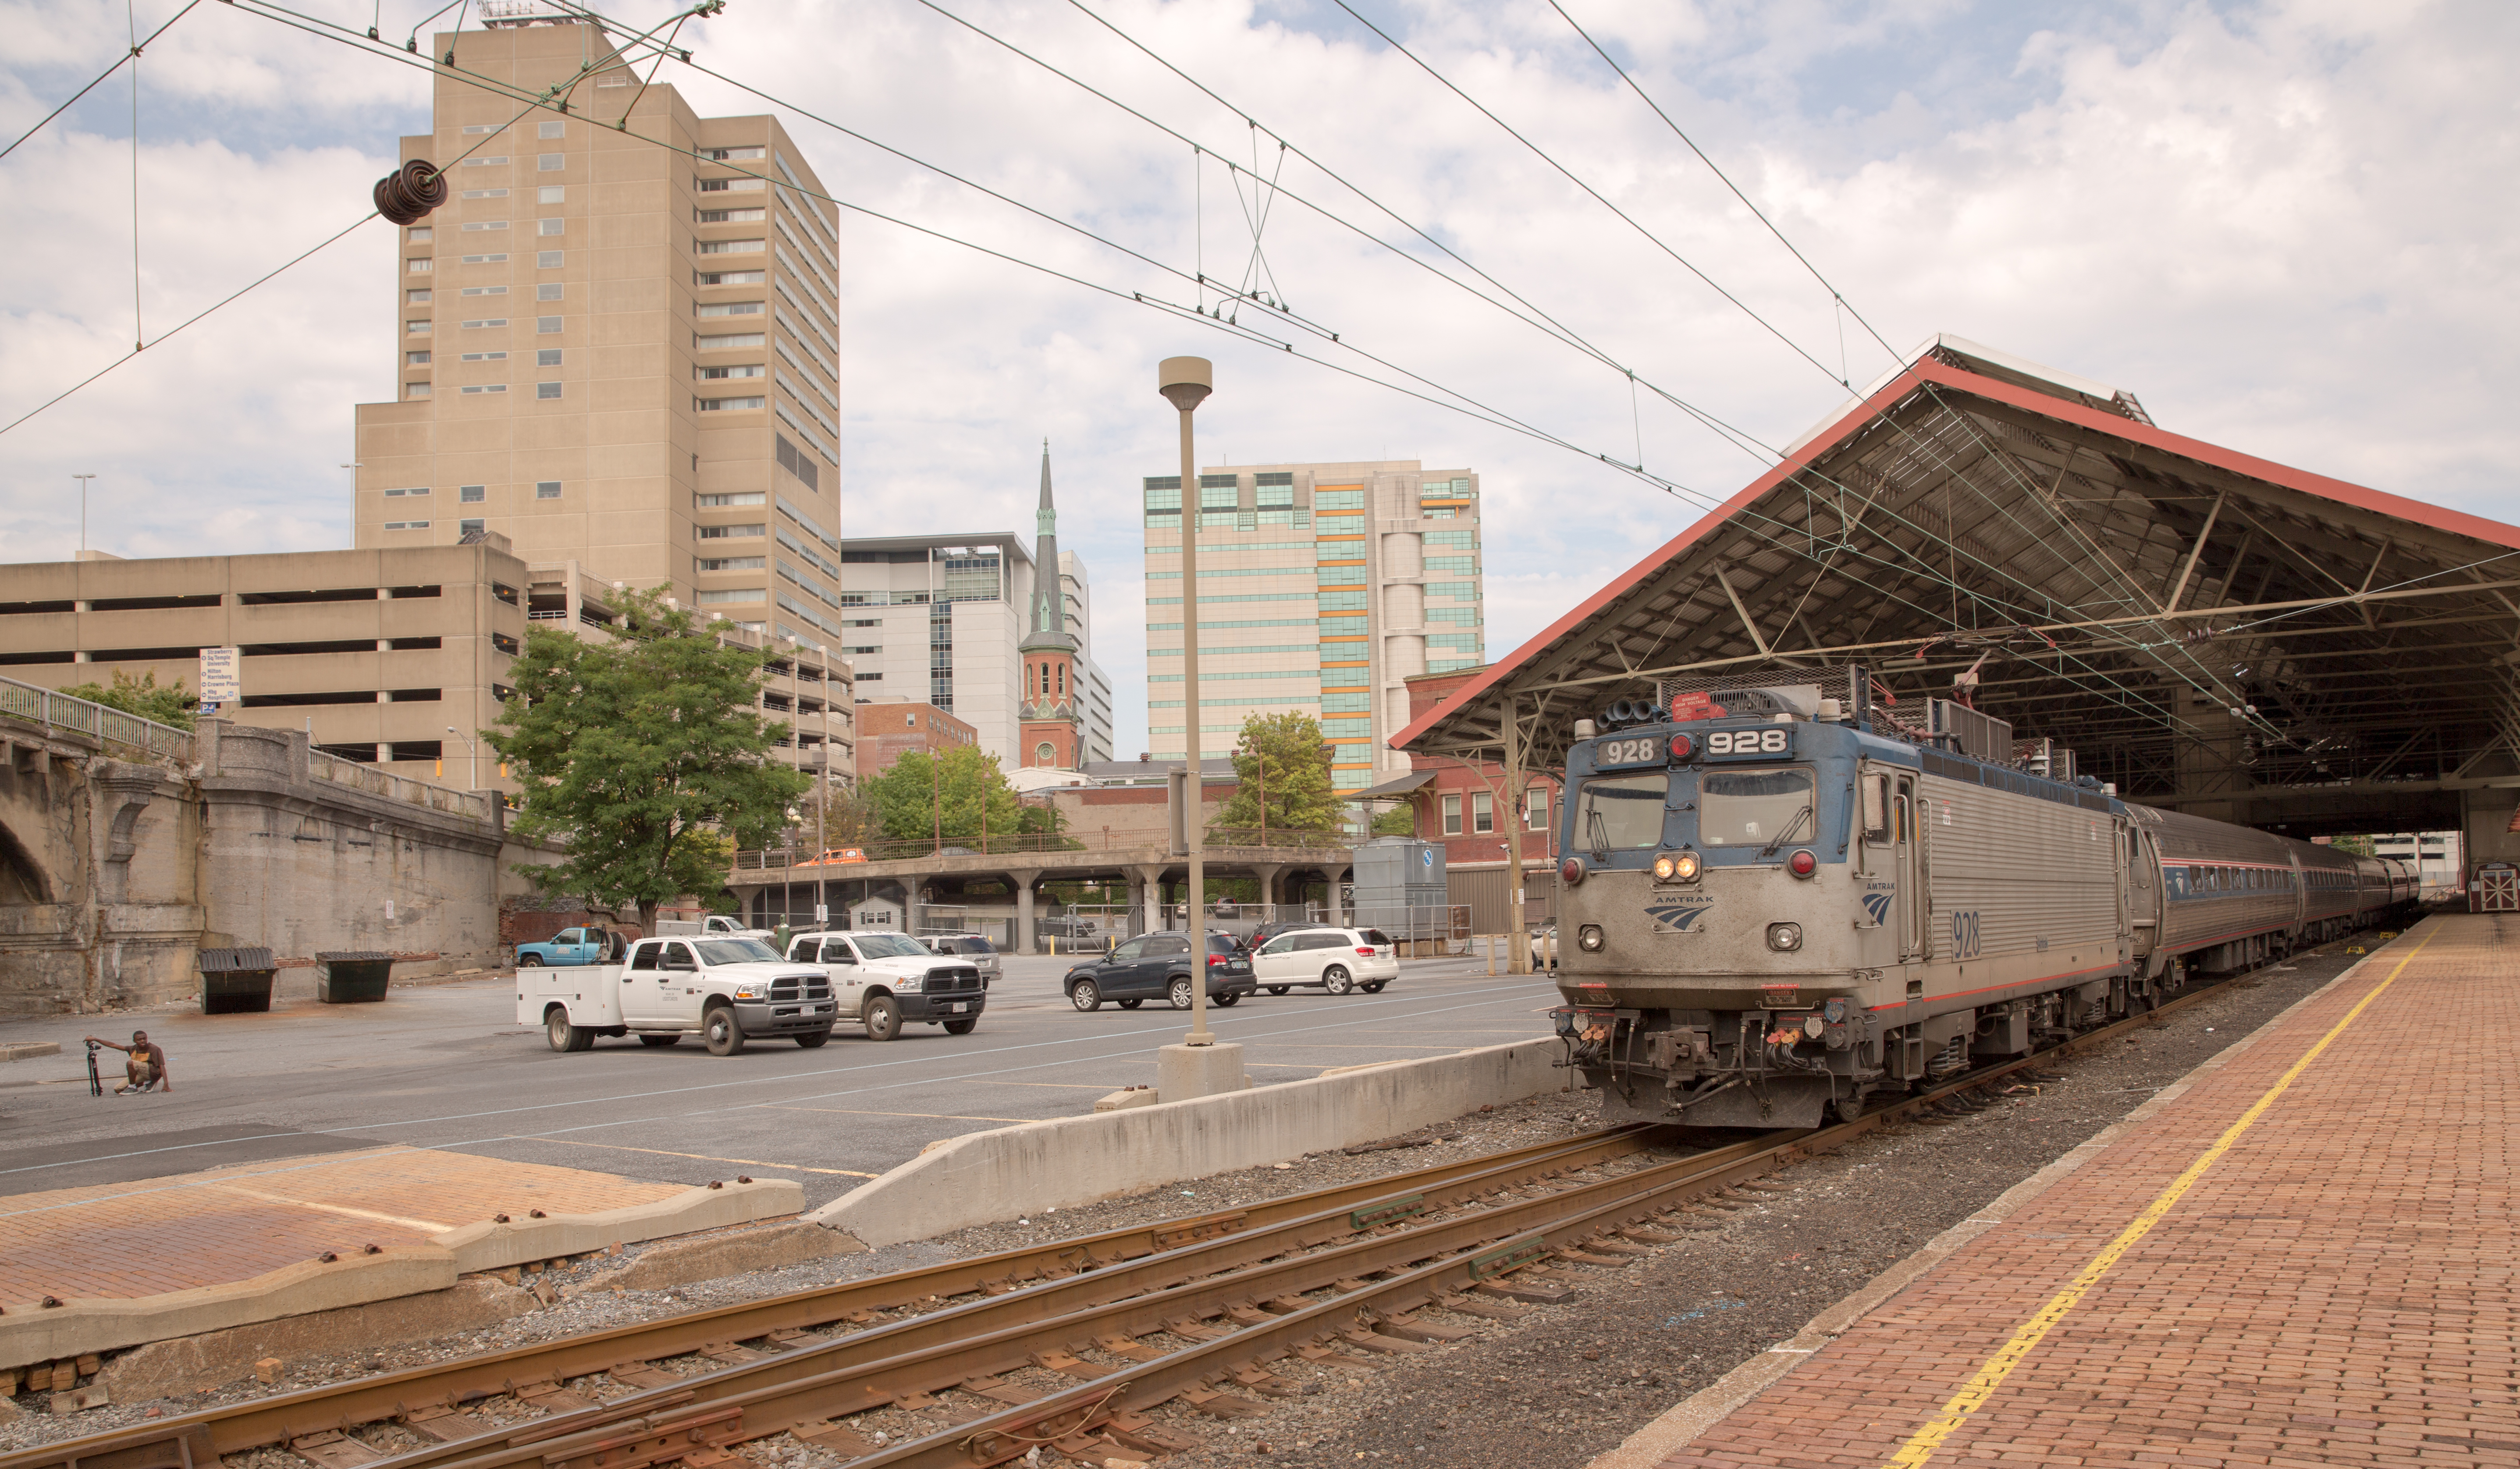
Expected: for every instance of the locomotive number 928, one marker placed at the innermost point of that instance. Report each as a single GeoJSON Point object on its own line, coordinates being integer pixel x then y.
{"type": "Point", "coordinates": [1775, 915]}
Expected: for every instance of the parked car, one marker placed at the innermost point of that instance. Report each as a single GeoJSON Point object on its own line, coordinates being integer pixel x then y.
{"type": "Point", "coordinates": [726, 990]}
{"type": "Point", "coordinates": [1159, 964]}
{"type": "Point", "coordinates": [884, 980]}
{"type": "Point", "coordinates": [715, 926]}
{"type": "Point", "coordinates": [1339, 960]}
{"type": "Point", "coordinates": [1267, 931]}
{"type": "Point", "coordinates": [834, 858]}
{"type": "Point", "coordinates": [976, 948]}
{"type": "Point", "coordinates": [1544, 948]}
{"type": "Point", "coordinates": [571, 947]}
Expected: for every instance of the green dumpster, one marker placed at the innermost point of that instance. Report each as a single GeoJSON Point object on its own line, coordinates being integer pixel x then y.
{"type": "Point", "coordinates": [236, 981]}
{"type": "Point", "coordinates": [351, 976]}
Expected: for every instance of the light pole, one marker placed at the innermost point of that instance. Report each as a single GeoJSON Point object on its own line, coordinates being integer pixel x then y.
{"type": "Point", "coordinates": [477, 756]}
{"type": "Point", "coordinates": [1186, 382]}
{"type": "Point", "coordinates": [82, 479]}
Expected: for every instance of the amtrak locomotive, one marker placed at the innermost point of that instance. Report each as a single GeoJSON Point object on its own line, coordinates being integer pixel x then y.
{"type": "Point", "coordinates": [1773, 907]}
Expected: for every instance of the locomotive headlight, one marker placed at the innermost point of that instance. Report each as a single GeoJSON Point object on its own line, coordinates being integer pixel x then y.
{"type": "Point", "coordinates": [1784, 937]}
{"type": "Point", "coordinates": [1571, 870]}
{"type": "Point", "coordinates": [1588, 938]}
{"type": "Point", "coordinates": [1676, 866]}
{"type": "Point", "coordinates": [1803, 862]}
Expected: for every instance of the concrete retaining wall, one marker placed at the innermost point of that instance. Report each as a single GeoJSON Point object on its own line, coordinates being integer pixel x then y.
{"type": "Point", "coordinates": [983, 1177]}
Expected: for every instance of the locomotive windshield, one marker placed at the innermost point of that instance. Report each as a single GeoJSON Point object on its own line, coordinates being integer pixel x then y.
{"type": "Point", "coordinates": [1621, 813]}
{"type": "Point", "coordinates": [1739, 808]}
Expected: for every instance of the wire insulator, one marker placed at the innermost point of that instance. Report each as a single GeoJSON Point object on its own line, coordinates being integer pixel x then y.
{"type": "Point", "coordinates": [409, 192]}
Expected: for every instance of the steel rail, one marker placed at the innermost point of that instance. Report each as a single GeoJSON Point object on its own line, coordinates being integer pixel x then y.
{"type": "Point", "coordinates": [193, 1441]}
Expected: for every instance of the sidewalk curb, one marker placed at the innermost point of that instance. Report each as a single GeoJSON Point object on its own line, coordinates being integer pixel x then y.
{"type": "Point", "coordinates": [1684, 1422]}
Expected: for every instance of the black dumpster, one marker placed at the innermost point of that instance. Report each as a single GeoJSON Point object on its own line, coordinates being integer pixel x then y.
{"type": "Point", "coordinates": [236, 981]}
{"type": "Point", "coordinates": [351, 977]}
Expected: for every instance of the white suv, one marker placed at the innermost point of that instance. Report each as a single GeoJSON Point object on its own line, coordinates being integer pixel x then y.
{"type": "Point", "coordinates": [1339, 960]}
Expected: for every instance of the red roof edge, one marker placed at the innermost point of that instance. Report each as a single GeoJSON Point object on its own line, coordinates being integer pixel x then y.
{"type": "Point", "coordinates": [1927, 370]}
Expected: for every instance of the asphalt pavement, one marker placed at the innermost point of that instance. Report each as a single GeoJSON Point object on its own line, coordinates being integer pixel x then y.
{"type": "Point", "coordinates": [446, 1065]}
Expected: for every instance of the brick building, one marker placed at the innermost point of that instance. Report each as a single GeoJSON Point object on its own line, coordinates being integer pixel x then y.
{"type": "Point", "coordinates": [1466, 808]}
{"type": "Point", "coordinates": [889, 731]}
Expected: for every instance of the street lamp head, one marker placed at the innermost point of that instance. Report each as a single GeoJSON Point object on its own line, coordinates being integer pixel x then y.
{"type": "Point", "coordinates": [1185, 381]}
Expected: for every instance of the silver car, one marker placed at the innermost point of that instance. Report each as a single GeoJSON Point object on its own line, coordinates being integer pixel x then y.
{"type": "Point", "coordinates": [971, 946]}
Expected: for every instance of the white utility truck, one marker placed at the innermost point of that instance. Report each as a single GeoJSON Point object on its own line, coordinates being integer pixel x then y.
{"type": "Point", "coordinates": [715, 926]}
{"type": "Point", "coordinates": [884, 979]}
{"type": "Point", "coordinates": [727, 991]}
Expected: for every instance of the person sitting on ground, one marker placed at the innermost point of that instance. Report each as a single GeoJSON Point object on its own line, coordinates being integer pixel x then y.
{"type": "Point", "coordinates": [146, 1068]}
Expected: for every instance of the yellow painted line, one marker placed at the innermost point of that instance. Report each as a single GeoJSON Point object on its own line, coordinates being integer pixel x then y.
{"type": "Point", "coordinates": [425, 1225]}
{"type": "Point", "coordinates": [617, 1148]}
{"type": "Point", "coordinates": [1981, 1388]}
{"type": "Point", "coordinates": [870, 1112]}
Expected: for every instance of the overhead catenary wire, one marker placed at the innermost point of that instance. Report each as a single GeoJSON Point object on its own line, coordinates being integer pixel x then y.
{"type": "Point", "coordinates": [120, 62]}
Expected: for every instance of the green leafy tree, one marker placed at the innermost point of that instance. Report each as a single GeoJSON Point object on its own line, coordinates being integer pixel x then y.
{"type": "Point", "coordinates": [169, 705]}
{"type": "Point", "coordinates": [1399, 821]}
{"type": "Point", "coordinates": [959, 791]}
{"type": "Point", "coordinates": [1284, 771]}
{"type": "Point", "coordinates": [642, 754]}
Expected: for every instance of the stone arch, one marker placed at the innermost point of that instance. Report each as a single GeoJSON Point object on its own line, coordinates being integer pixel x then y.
{"type": "Point", "coordinates": [21, 879]}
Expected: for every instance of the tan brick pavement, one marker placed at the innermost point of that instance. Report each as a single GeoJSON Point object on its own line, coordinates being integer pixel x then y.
{"type": "Point", "coordinates": [2333, 1288]}
{"type": "Point", "coordinates": [232, 1224]}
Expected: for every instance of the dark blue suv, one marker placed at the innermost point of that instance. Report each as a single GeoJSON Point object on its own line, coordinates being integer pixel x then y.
{"type": "Point", "coordinates": [1159, 964]}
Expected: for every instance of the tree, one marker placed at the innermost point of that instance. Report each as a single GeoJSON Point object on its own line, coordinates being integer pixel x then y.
{"type": "Point", "coordinates": [959, 793]}
{"type": "Point", "coordinates": [1399, 821]}
{"type": "Point", "coordinates": [644, 755]}
{"type": "Point", "coordinates": [142, 697]}
{"type": "Point", "coordinates": [1284, 774]}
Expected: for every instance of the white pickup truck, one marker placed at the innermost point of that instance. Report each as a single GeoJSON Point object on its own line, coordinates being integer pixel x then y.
{"type": "Point", "coordinates": [728, 991]}
{"type": "Point", "coordinates": [715, 926]}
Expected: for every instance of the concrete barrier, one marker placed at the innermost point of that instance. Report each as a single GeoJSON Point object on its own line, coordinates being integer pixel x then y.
{"type": "Point", "coordinates": [489, 1246]}
{"type": "Point", "coordinates": [30, 1334]}
{"type": "Point", "coordinates": [983, 1177]}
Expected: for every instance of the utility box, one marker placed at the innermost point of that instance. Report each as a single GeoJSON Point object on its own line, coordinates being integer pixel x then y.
{"type": "Point", "coordinates": [236, 981]}
{"type": "Point", "coordinates": [352, 976]}
{"type": "Point", "coordinates": [1401, 886]}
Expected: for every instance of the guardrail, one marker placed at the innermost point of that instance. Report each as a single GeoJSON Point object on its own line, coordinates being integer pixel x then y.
{"type": "Point", "coordinates": [85, 716]}
{"type": "Point", "coordinates": [776, 859]}
{"type": "Point", "coordinates": [472, 805]}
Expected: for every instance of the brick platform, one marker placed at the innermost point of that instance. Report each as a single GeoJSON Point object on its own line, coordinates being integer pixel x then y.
{"type": "Point", "coordinates": [127, 1241]}
{"type": "Point", "coordinates": [2305, 1259]}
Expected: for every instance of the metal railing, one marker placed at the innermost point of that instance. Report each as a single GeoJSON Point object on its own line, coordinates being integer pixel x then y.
{"type": "Point", "coordinates": [472, 805]}
{"type": "Point", "coordinates": [778, 859]}
{"type": "Point", "coordinates": [62, 712]}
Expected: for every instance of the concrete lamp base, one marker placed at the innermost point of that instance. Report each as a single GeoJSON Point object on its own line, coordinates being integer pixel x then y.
{"type": "Point", "coordinates": [1183, 1072]}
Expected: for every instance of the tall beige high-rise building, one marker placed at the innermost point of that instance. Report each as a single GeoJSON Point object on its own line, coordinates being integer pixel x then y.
{"type": "Point", "coordinates": [1323, 589]}
{"type": "Point", "coordinates": [618, 348]}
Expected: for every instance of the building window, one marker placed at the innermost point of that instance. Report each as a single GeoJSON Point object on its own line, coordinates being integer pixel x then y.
{"type": "Point", "coordinates": [398, 494]}
{"type": "Point", "coordinates": [466, 528]}
{"type": "Point", "coordinates": [732, 533]}
{"type": "Point", "coordinates": [737, 593]}
{"type": "Point", "coordinates": [745, 370]}
{"type": "Point", "coordinates": [1045, 753]}
{"type": "Point", "coordinates": [549, 290]}
{"type": "Point", "coordinates": [415, 389]}
{"type": "Point", "coordinates": [726, 405]}
{"type": "Point", "coordinates": [485, 290]}
{"type": "Point", "coordinates": [482, 225]}
{"type": "Point", "coordinates": [726, 343]}
{"type": "Point", "coordinates": [418, 235]}
{"type": "Point", "coordinates": [546, 326]}
{"type": "Point", "coordinates": [728, 277]}
{"type": "Point", "coordinates": [416, 297]}
{"type": "Point", "coordinates": [487, 321]}
{"type": "Point", "coordinates": [1482, 812]}
{"type": "Point", "coordinates": [551, 130]}
{"type": "Point", "coordinates": [547, 356]}
{"type": "Point", "coordinates": [726, 247]}
{"type": "Point", "coordinates": [739, 497]}
{"type": "Point", "coordinates": [546, 390]}
{"type": "Point", "coordinates": [485, 194]}
{"type": "Point", "coordinates": [547, 489]}
{"type": "Point", "coordinates": [486, 387]}
{"type": "Point", "coordinates": [728, 562]}
{"type": "Point", "coordinates": [497, 259]}
{"type": "Point", "coordinates": [470, 493]}
{"type": "Point", "coordinates": [729, 216]}
{"type": "Point", "coordinates": [416, 328]}
{"type": "Point", "coordinates": [550, 162]}
{"type": "Point", "coordinates": [721, 155]}
{"type": "Point", "coordinates": [730, 308]}
{"type": "Point", "coordinates": [549, 259]}
{"type": "Point", "coordinates": [1452, 815]}
{"type": "Point", "coordinates": [416, 359]}
{"type": "Point", "coordinates": [482, 357]}
{"type": "Point", "coordinates": [406, 525]}
{"type": "Point", "coordinates": [1535, 808]}
{"type": "Point", "coordinates": [552, 194]}
{"type": "Point", "coordinates": [420, 264]}
{"type": "Point", "coordinates": [551, 227]}
{"type": "Point", "coordinates": [486, 163]}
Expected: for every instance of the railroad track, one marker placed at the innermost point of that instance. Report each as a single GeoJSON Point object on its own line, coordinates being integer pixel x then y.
{"type": "Point", "coordinates": [1191, 1310]}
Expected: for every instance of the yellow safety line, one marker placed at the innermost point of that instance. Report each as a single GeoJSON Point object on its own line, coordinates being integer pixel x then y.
{"type": "Point", "coordinates": [1981, 1388]}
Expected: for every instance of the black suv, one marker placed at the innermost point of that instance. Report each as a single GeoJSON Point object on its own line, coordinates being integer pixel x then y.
{"type": "Point", "coordinates": [1159, 964]}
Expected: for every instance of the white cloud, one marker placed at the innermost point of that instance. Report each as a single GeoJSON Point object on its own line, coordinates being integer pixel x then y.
{"type": "Point", "coordinates": [2275, 223]}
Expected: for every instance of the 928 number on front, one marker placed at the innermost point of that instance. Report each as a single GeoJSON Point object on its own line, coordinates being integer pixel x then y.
{"type": "Point", "coordinates": [1770, 742]}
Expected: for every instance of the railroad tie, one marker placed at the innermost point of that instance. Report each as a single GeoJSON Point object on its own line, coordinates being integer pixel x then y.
{"type": "Point", "coordinates": [552, 1398]}
{"type": "Point", "coordinates": [1539, 1293]}
{"type": "Point", "coordinates": [729, 1352]}
{"type": "Point", "coordinates": [1220, 1405]}
{"type": "Point", "coordinates": [1197, 1331]}
{"type": "Point", "coordinates": [334, 1450]}
{"type": "Point", "coordinates": [1375, 1341]}
{"type": "Point", "coordinates": [1128, 1346]}
{"type": "Point", "coordinates": [1068, 1365]}
{"type": "Point", "coordinates": [441, 1424]}
{"type": "Point", "coordinates": [1144, 1435]}
{"type": "Point", "coordinates": [1246, 1316]}
{"type": "Point", "coordinates": [1410, 1328]}
{"type": "Point", "coordinates": [1268, 1384]}
{"type": "Point", "coordinates": [1493, 1311]}
{"type": "Point", "coordinates": [641, 1374]}
{"type": "Point", "coordinates": [1649, 1237]}
{"type": "Point", "coordinates": [837, 1437]}
{"type": "Point", "coordinates": [1315, 1353]}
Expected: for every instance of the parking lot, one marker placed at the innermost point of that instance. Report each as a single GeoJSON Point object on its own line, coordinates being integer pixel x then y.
{"type": "Point", "coordinates": [445, 1066]}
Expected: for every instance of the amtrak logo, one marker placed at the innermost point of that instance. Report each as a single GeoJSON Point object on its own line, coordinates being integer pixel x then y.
{"type": "Point", "coordinates": [1878, 906]}
{"type": "Point", "coordinates": [1677, 917]}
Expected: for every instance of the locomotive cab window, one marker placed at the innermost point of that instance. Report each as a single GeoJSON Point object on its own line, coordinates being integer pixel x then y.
{"type": "Point", "coordinates": [1754, 808]}
{"type": "Point", "coordinates": [1621, 813]}
{"type": "Point", "coordinates": [1876, 810]}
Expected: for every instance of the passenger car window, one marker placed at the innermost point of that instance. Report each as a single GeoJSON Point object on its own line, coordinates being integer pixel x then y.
{"type": "Point", "coordinates": [1284, 945]}
{"type": "Point", "coordinates": [838, 951]}
{"type": "Point", "coordinates": [1130, 952]}
{"type": "Point", "coordinates": [1167, 945]}
{"type": "Point", "coordinates": [1876, 809]}
{"type": "Point", "coordinates": [1621, 813]}
{"type": "Point", "coordinates": [978, 945]}
{"type": "Point", "coordinates": [678, 956]}
{"type": "Point", "coordinates": [645, 957]}
{"type": "Point", "coordinates": [1377, 938]}
{"type": "Point", "coordinates": [571, 936]}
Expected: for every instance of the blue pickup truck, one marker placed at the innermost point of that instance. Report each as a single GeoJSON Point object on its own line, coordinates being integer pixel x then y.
{"type": "Point", "coordinates": [572, 946]}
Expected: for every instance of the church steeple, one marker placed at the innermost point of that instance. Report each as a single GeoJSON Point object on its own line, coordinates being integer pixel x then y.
{"type": "Point", "coordinates": [1048, 717]}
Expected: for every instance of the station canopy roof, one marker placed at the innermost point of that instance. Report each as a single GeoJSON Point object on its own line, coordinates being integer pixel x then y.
{"type": "Point", "coordinates": [2204, 628]}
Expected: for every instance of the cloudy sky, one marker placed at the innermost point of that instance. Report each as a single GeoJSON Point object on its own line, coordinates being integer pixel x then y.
{"type": "Point", "coordinates": [2286, 227]}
